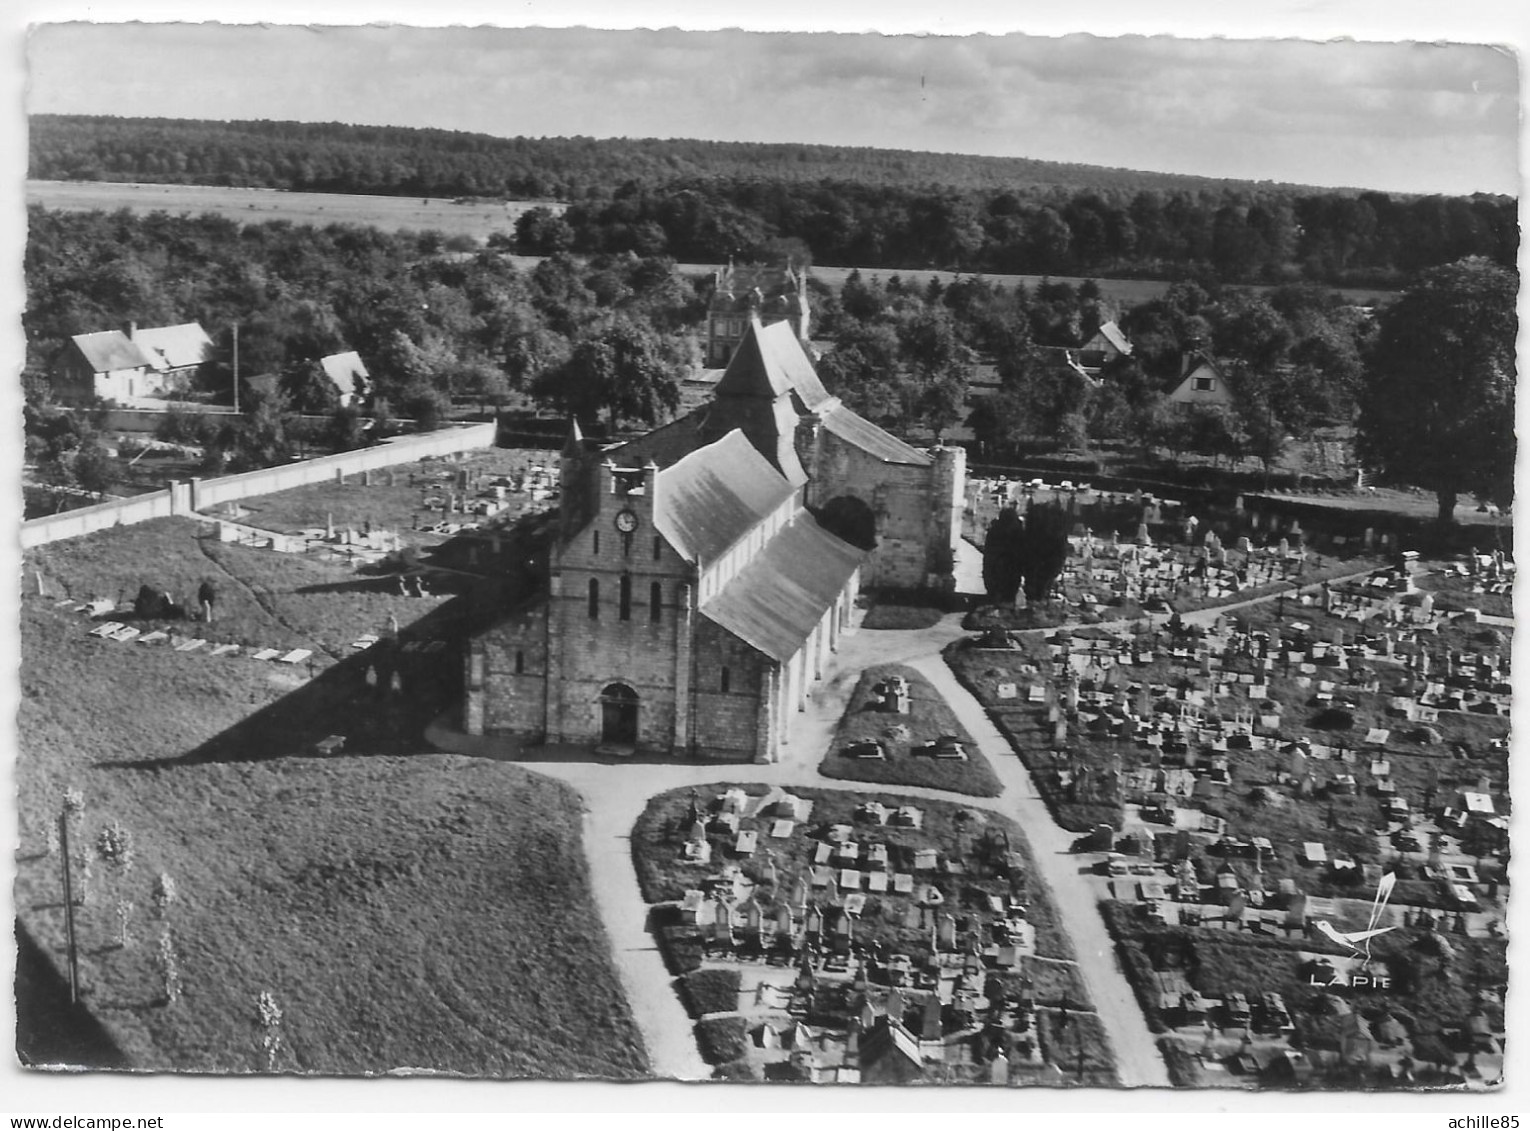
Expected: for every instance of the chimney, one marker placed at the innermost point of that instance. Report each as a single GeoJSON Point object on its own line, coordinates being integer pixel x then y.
{"type": "Point", "coordinates": [132, 331]}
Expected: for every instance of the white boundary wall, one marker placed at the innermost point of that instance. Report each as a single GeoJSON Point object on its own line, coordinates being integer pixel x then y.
{"type": "Point", "coordinates": [197, 494]}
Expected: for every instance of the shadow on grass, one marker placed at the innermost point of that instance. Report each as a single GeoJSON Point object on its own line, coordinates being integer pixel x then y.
{"type": "Point", "coordinates": [355, 698]}
{"type": "Point", "coordinates": [49, 1029]}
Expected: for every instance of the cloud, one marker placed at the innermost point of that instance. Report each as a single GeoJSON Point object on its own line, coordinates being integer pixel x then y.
{"type": "Point", "coordinates": [1272, 109]}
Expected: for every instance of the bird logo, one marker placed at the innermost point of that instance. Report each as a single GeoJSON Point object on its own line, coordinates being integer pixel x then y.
{"type": "Point", "coordinates": [1351, 939]}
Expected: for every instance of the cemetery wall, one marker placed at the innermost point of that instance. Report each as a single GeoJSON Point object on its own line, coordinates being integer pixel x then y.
{"type": "Point", "coordinates": [185, 498]}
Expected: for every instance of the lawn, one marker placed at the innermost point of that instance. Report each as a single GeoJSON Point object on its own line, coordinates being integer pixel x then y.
{"type": "Point", "coordinates": [903, 737]}
{"type": "Point", "coordinates": [405, 909]}
{"type": "Point", "coordinates": [428, 912]}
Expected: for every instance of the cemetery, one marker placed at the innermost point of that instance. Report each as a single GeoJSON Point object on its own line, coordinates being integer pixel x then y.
{"type": "Point", "coordinates": [1248, 780]}
{"type": "Point", "coordinates": [829, 936]}
{"type": "Point", "coordinates": [1133, 554]}
{"type": "Point", "coordinates": [898, 730]}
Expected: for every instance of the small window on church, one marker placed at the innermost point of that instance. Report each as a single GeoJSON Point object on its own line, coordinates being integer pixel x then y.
{"type": "Point", "coordinates": [475, 672]}
{"type": "Point", "coordinates": [655, 602]}
{"type": "Point", "coordinates": [520, 663]}
{"type": "Point", "coordinates": [658, 547]}
{"type": "Point", "coordinates": [594, 598]}
{"type": "Point", "coordinates": [725, 680]}
{"type": "Point", "coordinates": [624, 598]}
{"type": "Point", "coordinates": [596, 548]}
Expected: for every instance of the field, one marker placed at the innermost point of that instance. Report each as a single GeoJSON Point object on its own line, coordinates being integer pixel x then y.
{"type": "Point", "coordinates": [902, 736]}
{"type": "Point", "coordinates": [476, 218]}
{"type": "Point", "coordinates": [1386, 501]}
{"type": "Point", "coordinates": [405, 909]}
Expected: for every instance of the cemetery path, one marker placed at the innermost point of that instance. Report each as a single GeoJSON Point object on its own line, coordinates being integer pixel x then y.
{"type": "Point", "coordinates": [1138, 1061]}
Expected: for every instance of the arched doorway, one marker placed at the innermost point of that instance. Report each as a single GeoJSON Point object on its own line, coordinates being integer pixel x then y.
{"type": "Point", "coordinates": [850, 520]}
{"type": "Point", "coordinates": [619, 715]}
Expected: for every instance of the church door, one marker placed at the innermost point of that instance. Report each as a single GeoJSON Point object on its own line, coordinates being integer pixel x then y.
{"type": "Point", "coordinates": [619, 715]}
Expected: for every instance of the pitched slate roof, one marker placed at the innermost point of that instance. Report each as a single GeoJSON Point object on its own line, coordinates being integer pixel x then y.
{"type": "Point", "coordinates": [108, 350]}
{"type": "Point", "coordinates": [774, 602]}
{"type": "Point", "coordinates": [770, 361]}
{"type": "Point", "coordinates": [869, 438]}
{"type": "Point", "coordinates": [1114, 336]}
{"type": "Point", "coordinates": [714, 496]}
{"type": "Point", "coordinates": [174, 347]}
{"type": "Point", "coordinates": [343, 369]}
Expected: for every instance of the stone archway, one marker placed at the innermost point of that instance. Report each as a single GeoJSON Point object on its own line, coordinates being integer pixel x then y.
{"type": "Point", "coordinates": [850, 520]}
{"type": "Point", "coordinates": [619, 715]}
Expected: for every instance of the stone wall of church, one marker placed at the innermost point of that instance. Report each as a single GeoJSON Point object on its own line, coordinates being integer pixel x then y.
{"type": "Point", "coordinates": [727, 722]}
{"type": "Point", "coordinates": [506, 677]}
{"type": "Point", "coordinates": [905, 500]}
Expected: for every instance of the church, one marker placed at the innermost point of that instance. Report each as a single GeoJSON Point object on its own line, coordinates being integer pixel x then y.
{"type": "Point", "coordinates": [703, 573]}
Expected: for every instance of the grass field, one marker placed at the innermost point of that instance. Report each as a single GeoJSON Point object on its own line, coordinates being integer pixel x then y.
{"type": "Point", "coordinates": [405, 909]}
{"type": "Point", "coordinates": [478, 218]}
{"type": "Point", "coordinates": [1385, 501]}
{"type": "Point", "coordinates": [906, 763]}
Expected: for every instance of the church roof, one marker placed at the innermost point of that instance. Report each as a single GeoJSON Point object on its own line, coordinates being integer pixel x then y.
{"type": "Point", "coordinates": [770, 361]}
{"type": "Point", "coordinates": [711, 498]}
{"type": "Point", "coordinates": [859, 431]}
{"type": "Point", "coordinates": [773, 603]}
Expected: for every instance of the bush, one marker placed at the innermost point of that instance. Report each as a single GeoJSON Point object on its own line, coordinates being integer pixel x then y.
{"type": "Point", "coordinates": [709, 991]}
{"type": "Point", "coordinates": [722, 1039]}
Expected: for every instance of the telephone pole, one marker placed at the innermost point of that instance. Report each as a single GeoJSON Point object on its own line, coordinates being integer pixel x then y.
{"type": "Point", "coordinates": [236, 367]}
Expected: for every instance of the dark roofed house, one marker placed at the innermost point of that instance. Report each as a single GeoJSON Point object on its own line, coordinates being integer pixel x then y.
{"type": "Point", "coordinates": [1201, 384]}
{"type": "Point", "coordinates": [704, 573]}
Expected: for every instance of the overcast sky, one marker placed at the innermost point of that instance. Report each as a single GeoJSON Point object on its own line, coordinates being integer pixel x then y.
{"type": "Point", "coordinates": [1404, 117]}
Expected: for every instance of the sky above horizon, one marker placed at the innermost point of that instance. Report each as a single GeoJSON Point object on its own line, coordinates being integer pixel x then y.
{"type": "Point", "coordinates": [1402, 117]}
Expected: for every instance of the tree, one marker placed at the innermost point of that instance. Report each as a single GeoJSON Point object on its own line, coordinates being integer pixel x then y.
{"type": "Point", "coordinates": [1001, 556]}
{"type": "Point", "coordinates": [1043, 549]}
{"type": "Point", "coordinates": [1437, 405]}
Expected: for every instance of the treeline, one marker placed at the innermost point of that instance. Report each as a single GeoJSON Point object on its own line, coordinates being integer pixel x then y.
{"type": "Point", "coordinates": [609, 337]}
{"type": "Point", "coordinates": [1233, 235]}
{"type": "Point", "coordinates": [387, 160]}
{"type": "Point", "coordinates": [710, 201]}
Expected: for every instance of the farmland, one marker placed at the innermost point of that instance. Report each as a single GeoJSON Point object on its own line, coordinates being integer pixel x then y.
{"type": "Point", "coordinates": [475, 218]}
{"type": "Point", "coordinates": [405, 909]}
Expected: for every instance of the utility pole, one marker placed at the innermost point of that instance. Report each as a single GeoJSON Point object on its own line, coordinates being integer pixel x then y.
{"type": "Point", "coordinates": [74, 951]}
{"type": "Point", "coordinates": [236, 367]}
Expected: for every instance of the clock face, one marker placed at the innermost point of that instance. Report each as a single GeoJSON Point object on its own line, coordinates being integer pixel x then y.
{"type": "Point", "coordinates": [626, 521]}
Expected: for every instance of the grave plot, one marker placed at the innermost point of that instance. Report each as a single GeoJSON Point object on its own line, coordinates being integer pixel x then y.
{"type": "Point", "coordinates": [1132, 554]}
{"type": "Point", "coordinates": [829, 936]}
{"type": "Point", "coordinates": [898, 730]}
{"type": "Point", "coordinates": [1256, 1011]}
{"type": "Point", "coordinates": [1252, 783]}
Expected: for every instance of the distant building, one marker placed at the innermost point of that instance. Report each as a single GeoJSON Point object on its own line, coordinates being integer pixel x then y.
{"type": "Point", "coordinates": [1201, 384]}
{"type": "Point", "coordinates": [349, 375]}
{"type": "Point", "coordinates": [127, 365]}
{"type": "Point", "coordinates": [1107, 344]}
{"type": "Point", "coordinates": [739, 293]}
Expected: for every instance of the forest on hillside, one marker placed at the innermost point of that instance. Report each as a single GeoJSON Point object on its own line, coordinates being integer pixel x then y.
{"type": "Point", "coordinates": [388, 160]}
{"type": "Point", "coordinates": [698, 201]}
